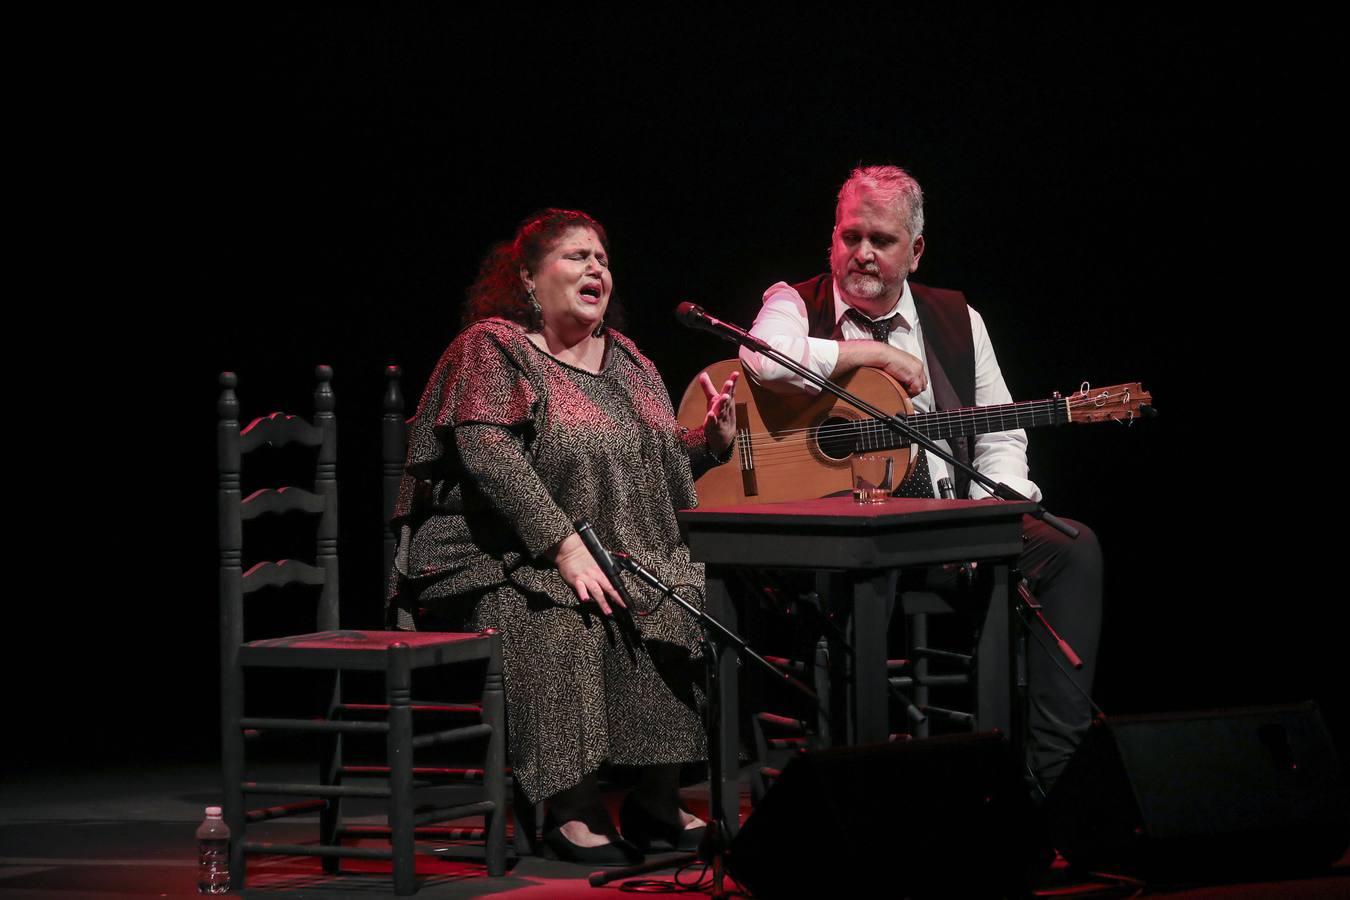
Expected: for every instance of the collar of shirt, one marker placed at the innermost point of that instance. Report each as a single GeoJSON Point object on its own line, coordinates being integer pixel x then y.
{"type": "Point", "coordinates": [905, 307]}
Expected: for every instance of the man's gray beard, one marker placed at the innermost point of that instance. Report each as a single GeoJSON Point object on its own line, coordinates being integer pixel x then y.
{"type": "Point", "coordinates": [869, 287]}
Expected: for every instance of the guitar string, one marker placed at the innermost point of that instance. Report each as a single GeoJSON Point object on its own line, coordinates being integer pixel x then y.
{"type": "Point", "coordinates": [937, 418]}
{"type": "Point", "coordinates": [1028, 413]}
{"type": "Point", "coordinates": [928, 422]}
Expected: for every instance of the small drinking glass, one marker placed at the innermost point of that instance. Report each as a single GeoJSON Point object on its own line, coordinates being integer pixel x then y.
{"type": "Point", "coordinates": [872, 477]}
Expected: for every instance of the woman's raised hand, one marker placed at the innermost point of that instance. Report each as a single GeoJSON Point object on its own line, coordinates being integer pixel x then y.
{"type": "Point", "coordinates": [719, 426]}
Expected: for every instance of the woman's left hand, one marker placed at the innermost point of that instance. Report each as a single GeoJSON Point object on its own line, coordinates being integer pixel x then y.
{"type": "Point", "coordinates": [719, 426]}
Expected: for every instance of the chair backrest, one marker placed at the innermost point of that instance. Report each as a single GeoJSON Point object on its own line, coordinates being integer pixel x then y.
{"type": "Point", "coordinates": [233, 445]}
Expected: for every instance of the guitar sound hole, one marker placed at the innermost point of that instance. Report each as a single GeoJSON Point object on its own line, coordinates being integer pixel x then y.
{"type": "Point", "coordinates": [836, 438]}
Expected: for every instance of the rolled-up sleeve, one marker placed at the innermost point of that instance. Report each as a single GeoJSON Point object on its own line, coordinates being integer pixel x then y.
{"type": "Point", "coordinates": [782, 324]}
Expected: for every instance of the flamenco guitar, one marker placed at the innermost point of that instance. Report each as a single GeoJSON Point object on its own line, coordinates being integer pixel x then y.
{"type": "Point", "coordinates": [793, 446]}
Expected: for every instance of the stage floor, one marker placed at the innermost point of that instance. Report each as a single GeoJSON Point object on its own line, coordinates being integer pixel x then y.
{"type": "Point", "coordinates": [129, 832]}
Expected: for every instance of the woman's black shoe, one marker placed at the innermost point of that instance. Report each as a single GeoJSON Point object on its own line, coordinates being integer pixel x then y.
{"type": "Point", "coordinates": [643, 830]}
{"type": "Point", "coordinates": [618, 852]}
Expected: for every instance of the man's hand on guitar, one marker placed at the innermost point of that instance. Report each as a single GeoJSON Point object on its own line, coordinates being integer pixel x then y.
{"type": "Point", "coordinates": [720, 423]}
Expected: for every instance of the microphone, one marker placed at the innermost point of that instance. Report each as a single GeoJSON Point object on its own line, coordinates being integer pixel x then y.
{"type": "Point", "coordinates": [602, 558]}
{"type": "Point", "coordinates": [945, 489]}
{"type": "Point", "coordinates": [628, 564]}
{"type": "Point", "coordinates": [691, 315]}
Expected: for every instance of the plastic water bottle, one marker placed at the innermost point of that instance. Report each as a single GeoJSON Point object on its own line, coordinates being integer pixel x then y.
{"type": "Point", "coordinates": [213, 854]}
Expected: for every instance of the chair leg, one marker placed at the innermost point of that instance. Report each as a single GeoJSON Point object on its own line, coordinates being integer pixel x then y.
{"type": "Point", "coordinates": [821, 683]}
{"type": "Point", "coordinates": [494, 767]}
{"type": "Point", "coordinates": [330, 768]}
{"type": "Point", "coordinates": [917, 636]}
{"type": "Point", "coordinates": [527, 817]}
{"type": "Point", "coordinates": [527, 823]}
{"type": "Point", "coordinates": [398, 687]}
{"type": "Point", "coordinates": [759, 785]}
{"type": "Point", "coordinates": [232, 764]}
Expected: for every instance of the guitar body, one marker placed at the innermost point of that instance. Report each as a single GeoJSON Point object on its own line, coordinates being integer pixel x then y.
{"type": "Point", "coordinates": [790, 445]}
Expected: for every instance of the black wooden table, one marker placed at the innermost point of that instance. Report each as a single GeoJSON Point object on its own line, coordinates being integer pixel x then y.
{"type": "Point", "coordinates": [868, 544]}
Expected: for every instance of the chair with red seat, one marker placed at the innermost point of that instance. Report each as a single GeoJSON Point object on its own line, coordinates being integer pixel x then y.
{"type": "Point", "coordinates": [333, 651]}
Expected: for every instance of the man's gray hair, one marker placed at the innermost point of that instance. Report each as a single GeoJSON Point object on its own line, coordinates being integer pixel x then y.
{"type": "Point", "coordinates": [894, 186]}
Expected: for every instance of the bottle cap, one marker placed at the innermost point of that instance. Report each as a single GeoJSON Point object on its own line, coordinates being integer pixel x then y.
{"type": "Point", "coordinates": [213, 812]}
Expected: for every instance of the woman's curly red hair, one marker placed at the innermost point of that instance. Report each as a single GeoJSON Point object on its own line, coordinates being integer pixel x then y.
{"type": "Point", "coordinates": [498, 290]}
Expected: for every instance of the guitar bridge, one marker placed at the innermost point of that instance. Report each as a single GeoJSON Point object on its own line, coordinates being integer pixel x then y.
{"type": "Point", "coordinates": [749, 484]}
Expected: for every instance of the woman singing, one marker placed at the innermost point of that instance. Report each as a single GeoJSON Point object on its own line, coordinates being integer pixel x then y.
{"type": "Point", "coordinates": [539, 415]}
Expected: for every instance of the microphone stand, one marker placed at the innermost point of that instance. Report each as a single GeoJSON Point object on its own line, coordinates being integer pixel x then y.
{"type": "Point", "coordinates": [716, 838]}
{"type": "Point", "coordinates": [693, 316]}
{"type": "Point", "coordinates": [1030, 609]}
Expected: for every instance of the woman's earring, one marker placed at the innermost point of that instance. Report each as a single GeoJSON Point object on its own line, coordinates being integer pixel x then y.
{"type": "Point", "coordinates": [536, 310]}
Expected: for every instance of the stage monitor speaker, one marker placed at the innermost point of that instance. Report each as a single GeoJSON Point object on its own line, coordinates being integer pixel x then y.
{"type": "Point", "coordinates": [1222, 794]}
{"type": "Point", "coordinates": [945, 816]}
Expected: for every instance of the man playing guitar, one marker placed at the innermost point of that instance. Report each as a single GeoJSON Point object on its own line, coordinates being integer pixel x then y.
{"type": "Point", "coordinates": [866, 313]}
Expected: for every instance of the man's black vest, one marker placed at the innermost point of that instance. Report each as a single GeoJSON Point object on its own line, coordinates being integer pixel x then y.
{"type": "Point", "coordinates": [947, 343]}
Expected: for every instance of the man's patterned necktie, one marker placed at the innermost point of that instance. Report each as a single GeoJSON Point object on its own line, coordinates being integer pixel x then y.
{"type": "Point", "coordinates": [919, 482]}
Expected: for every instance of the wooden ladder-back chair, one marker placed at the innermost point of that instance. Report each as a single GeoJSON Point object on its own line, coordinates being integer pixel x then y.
{"type": "Point", "coordinates": [396, 655]}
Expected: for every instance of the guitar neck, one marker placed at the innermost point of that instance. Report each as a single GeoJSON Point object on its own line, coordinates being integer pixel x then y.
{"type": "Point", "coordinates": [952, 423]}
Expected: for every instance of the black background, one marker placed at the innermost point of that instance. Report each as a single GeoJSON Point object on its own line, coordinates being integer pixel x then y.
{"type": "Point", "coordinates": [1113, 193]}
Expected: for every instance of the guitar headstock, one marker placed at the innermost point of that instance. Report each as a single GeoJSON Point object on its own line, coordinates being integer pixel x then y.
{"type": "Point", "coordinates": [1118, 403]}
